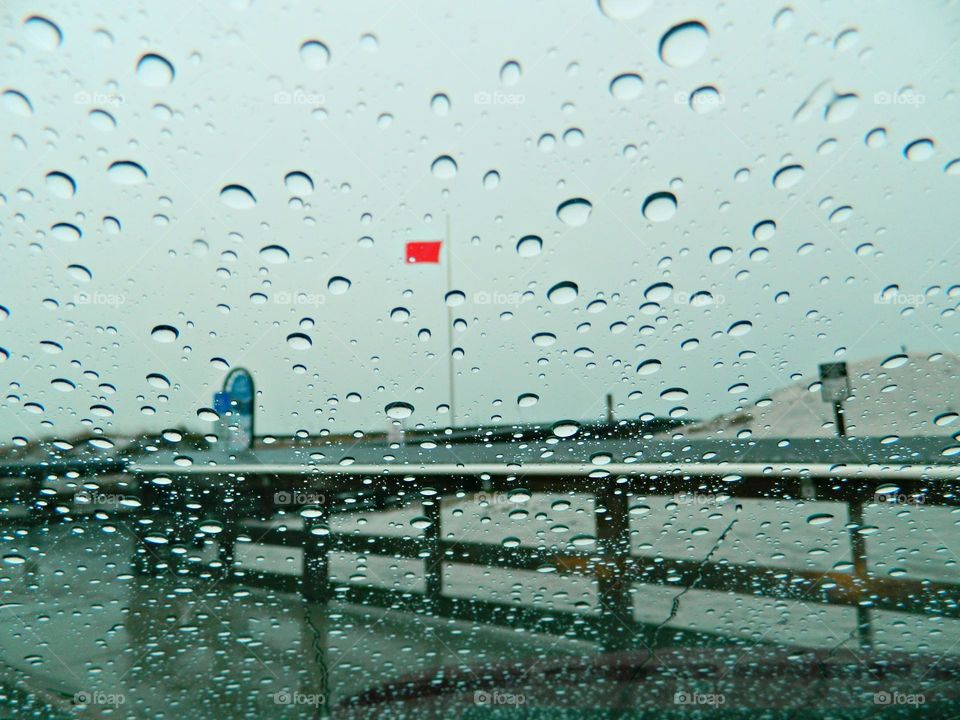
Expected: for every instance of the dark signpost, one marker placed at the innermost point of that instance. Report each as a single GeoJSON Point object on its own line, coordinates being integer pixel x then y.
{"type": "Point", "coordinates": [835, 388]}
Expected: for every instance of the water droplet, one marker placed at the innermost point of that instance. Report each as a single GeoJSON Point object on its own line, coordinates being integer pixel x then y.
{"type": "Point", "coordinates": [649, 367]}
{"type": "Point", "coordinates": [398, 410]}
{"type": "Point", "coordinates": [660, 206]}
{"type": "Point", "coordinates": [17, 103]}
{"type": "Point", "coordinates": [764, 230]}
{"type": "Point", "coordinates": [237, 197]}
{"type": "Point", "coordinates": [164, 333]}
{"type": "Point", "coordinates": [491, 179]}
{"type": "Point", "coordinates": [101, 411]}
{"type": "Point", "coordinates": [42, 33]}
{"type": "Point", "coordinates": [80, 273]}
{"type": "Point", "coordinates": [574, 212]}
{"type": "Point", "coordinates": [440, 104]}
{"type": "Point", "coordinates": [529, 246]}
{"type": "Point", "coordinates": [684, 44]}
{"type": "Point", "coordinates": [565, 428]}
{"type": "Point", "coordinates": [919, 150]}
{"type": "Point", "coordinates": [14, 559]}
{"type": "Point", "coordinates": [841, 107]}
{"type": "Point", "coordinates": [841, 213]}
{"type": "Point", "coordinates": [444, 167]}
{"type": "Point", "coordinates": [510, 73]}
{"type": "Point", "coordinates": [63, 385]}
{"type": "Point", "coordinates": [102, 120]}
{"type": "Point", "coordinates": [952, 167]}
{"type": "Point", "coordinates": [740, 328]}
{"type": "Point", "coordinates": [639, 509]}
{"type": "Point", "coordinates": [274, 254]}
{"type": "Point", "coordinates": [895, 361]}
{"type": "Point", "coordinates": [338, 285]}
{"type": "Point", "coordinates": [61, 184]}
{"type": "Point", "coordinates": [563, 293]}
{"type": "Point", "coordinates": [399, 314]}
{"type": "Point", "coordinates": [66, 232]}
{"type": "Point", "coordinates": [705, 99]}
{"type": "Point", "coordinates": [820, 519]}
{"type": "Point", "coordinates": [876, 138]}
{"type": "Point", "coordinates": [208, 414]}
{"type": "Point", "coordinates": [510, 542]}
{"type": "Point", "coordinates": [298, 183]}
{"type": "Point", "coordinates": [126, 172]}
{"type": "Point", "coordinates": [527, 400]}
{"type": "Point", "coordinates": [945, 419]}
{"type": "Point", "coordinates": [658, 292]}
{"type": "Point", "coordinates": [788, 176]}
{"type": "Point", "coordinates": [720, 255]}
{"type": "Point", "coordinates": [299, 341]}
{"type": "Point", "coordinates": [314, 54]}
{"type": "Point", "coordinates": [158, 381]}
{"type": "Point", "coordinates": [155, 70]}
{"type": "Point", "coordinates": [582, 539]}
{"type": "Point", "coordinates": [544, 339]}
{"type": "Point", "coordinates": [626, 86]}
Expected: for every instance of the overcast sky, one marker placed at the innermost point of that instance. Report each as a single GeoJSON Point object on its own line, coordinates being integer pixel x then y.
{"type": "Point", "coordinates": [246, 93]}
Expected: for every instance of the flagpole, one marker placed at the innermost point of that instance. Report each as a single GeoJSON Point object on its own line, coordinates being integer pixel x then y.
{"type": "Point", "coordinates": [449, 248]}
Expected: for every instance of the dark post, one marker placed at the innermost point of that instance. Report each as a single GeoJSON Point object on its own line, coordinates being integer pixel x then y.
{"type": "Point", "coordinates": [315, 582]}
{"type": "Point", "coordinates": [610, 418]}
{"type": "Point", "coordinates": [613, 544]}
{"type": "Point", "coordinates": [838, 416]}
{"type": "Point", "coordinates": [433, 563]}
{"type": "Point", "coordinates": [858, 548]}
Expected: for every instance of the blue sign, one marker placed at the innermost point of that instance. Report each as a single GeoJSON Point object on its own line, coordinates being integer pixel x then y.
{"type": "Point", "coordinates": [236, 417]}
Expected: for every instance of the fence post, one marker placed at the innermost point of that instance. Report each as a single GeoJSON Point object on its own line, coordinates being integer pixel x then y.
{"type": "Point", "coordinates": [315, 582]}
{"type": "Point", "coordinates": [433, 563]}
{"type": "Point", "coordinates": [858, 549]}
{"type": "Point", "coordinates": [613, 544]}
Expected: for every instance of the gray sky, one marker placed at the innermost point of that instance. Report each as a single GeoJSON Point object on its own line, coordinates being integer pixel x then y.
{"type": "Point", "coordinates": [247, 106]}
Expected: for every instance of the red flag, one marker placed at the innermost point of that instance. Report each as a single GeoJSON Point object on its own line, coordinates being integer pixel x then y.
{"type": "Point", "coordinates": [423, 252]}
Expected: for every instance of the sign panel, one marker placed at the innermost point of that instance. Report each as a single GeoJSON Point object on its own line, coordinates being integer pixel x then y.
{"type": "Point", "coordinates": [834, 382]}
{"type": "Point", "coordinates": [237, 417]}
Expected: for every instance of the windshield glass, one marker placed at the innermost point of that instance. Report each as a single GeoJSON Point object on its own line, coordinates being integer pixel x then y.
{"type": "Point", "coordinates": [393, 359]}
